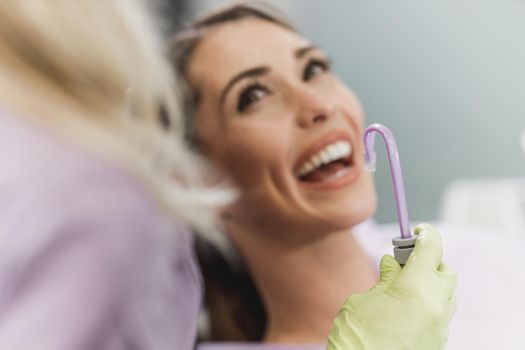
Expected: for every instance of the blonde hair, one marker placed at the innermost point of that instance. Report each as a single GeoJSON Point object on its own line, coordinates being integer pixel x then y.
{"type": "Point", "coordinates": [94, 70]}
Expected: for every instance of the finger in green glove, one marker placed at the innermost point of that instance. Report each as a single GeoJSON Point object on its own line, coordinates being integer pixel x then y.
{"type": "Point", "coordinates": [409, 308]}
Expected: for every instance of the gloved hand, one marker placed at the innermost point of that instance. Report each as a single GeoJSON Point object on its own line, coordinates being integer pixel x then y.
{"type": "Point", "coordinates": [409, 308]}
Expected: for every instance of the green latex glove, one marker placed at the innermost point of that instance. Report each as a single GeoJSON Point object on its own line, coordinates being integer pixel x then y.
{"type": "Point", "coordinates": [409, 308]}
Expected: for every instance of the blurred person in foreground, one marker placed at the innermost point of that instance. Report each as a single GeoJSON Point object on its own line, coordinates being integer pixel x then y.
{"type": "Point", "coordinates": [91, 175]}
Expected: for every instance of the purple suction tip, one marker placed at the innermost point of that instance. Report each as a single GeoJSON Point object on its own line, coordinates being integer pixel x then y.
{"type": "Point", "coordinates": [395, 171]}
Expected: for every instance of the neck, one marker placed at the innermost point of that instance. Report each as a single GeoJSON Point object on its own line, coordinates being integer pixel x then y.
{"type": "Point", "coordinates": [303, 286]}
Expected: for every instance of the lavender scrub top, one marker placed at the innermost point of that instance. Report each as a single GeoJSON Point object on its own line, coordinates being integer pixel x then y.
{"type": "Point", "coordinates": [86, 259]}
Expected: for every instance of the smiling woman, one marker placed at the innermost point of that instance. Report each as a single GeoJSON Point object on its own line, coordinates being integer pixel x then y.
{"type": "Point", "coordinates": [287, 130]}
{"type": "Point", "coordinates": [268, 113]}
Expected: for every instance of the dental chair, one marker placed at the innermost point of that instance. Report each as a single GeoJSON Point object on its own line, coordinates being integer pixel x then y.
{"type": "Point", "coordinates": [494, 203]}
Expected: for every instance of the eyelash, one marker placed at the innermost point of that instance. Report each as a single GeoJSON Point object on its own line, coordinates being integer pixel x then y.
{"type": "Point", "coordinates": [245, 99]}
{"type": "Point", "coordinates": [323, 63]}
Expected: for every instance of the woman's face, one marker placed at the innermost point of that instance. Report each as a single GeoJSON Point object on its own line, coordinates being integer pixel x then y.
{"type": "Point", "coordinates": [273, 116]}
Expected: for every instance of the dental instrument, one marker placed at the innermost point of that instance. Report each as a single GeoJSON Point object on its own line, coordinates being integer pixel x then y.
{"type": "Point", "coordinates": [404, 244]}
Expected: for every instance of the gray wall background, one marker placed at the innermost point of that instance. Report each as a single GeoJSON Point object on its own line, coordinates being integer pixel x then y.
{"type": "Point", "coordinates": [447, 77]}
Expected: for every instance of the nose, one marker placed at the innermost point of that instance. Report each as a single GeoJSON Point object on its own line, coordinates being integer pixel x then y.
{"type": "Point", "coordinates": [314, 108]}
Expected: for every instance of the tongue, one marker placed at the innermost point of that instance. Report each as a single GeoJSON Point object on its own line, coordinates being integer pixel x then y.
{"type": "Point", "coordinates": [324, 172]}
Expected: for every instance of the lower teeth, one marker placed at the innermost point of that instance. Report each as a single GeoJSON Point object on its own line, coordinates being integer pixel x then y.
{"type": "Point", "coordinates": [339, 173]}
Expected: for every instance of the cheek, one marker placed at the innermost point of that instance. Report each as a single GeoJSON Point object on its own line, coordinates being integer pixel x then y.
{"type": "Point", "coordinates": [349, 102]}
{"type": "Point", "coordinates": [357, 108]}
{"type": "Point", "coordinates": [352, 107]}
{"type": "Point", "coordinates": [250, 151]}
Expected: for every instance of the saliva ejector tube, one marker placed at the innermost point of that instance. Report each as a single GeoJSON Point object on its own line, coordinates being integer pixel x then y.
{"type": "Point", "coordinates": [404, 244]}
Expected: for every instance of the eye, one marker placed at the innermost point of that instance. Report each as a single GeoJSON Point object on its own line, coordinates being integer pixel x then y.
{"type": "Point", "coordinates": [315, 67]}
{"type": "Point", "coordinates": [251, 94]}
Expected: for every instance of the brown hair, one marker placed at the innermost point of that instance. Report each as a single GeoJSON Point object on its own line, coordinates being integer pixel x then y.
{"type": "Point", "coordinates": [185, 42]}
{"type": "Point", "coordinates": [234, 307]}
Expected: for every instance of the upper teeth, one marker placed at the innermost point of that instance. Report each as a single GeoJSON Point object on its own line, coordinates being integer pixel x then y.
{"type": "Point", "coordinates": [334, 151]}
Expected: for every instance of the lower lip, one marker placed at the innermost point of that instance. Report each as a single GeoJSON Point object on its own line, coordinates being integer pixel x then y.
{"type": "Point", "coordinates": [342, 178]}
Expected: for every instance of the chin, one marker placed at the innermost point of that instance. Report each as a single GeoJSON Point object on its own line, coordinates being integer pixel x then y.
{"type": "Point", "coordinates": [347, 215]}
{"type": "Point", "coordinates": [344, 208]}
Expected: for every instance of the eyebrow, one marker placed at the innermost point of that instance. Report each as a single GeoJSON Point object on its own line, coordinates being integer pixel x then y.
{"type": "Point", "coordinates": [252, 72]}
{"type": "Point", "coordinates": [299, 53]}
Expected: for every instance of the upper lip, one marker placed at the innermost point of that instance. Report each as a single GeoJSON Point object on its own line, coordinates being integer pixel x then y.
{"type": "Point", "coordinates": [320, 144]}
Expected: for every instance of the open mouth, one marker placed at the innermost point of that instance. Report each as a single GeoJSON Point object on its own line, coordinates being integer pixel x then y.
{"type": "Point", "coordinates": [331, 162]}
